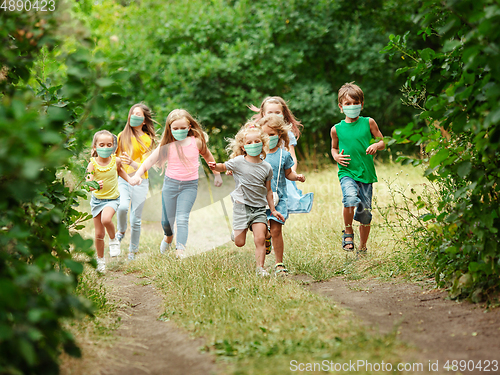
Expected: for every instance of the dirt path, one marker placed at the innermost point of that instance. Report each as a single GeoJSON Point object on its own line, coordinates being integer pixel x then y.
{"type": "Point", "coordinates": [441, 329]}
{"type": "Point", "coordinates": [144, 344]}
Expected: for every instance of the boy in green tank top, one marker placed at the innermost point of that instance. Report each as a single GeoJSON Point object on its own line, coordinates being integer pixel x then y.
{"type": "Point", "coordinates": [352, 151]}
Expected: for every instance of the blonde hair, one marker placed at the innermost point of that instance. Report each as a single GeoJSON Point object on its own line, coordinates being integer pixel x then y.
{"type": "Point", "coordinates": [168, 138]}
{"type": "Point", "coordinates": [288, 116]}
{"type": "Point", "coordinates": [236, 144]}
{"type": "Point", "coordinates": [351, 90]}
{"type": "Point", "coordinates": [277, 123]}
{"type": "Point", "coordinates": [129, 131]}
{"type": "Point", "coordinates": [93, 152]}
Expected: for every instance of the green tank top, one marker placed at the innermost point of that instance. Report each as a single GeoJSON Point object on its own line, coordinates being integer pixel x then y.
{"type": "Point", "coordinates": [354, 139]}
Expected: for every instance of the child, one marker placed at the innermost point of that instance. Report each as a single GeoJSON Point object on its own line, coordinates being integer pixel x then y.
{"type": "Point", "coordinates": [252, 188]}
{"type": "Point", "coordinates": [104, 167]}
{"type": "Point", "coordinates": [282, 163]}
{"type": "Point", "coordinates": [352, 151]}
{"type": "Point", "coordinates": [135, 143]}
{"type": "Point", "coordinates": [297, 203]}
{"type": "Point", "coordinates": [182, 142]}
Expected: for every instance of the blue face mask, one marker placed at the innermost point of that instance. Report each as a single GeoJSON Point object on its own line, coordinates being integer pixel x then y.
{"type": "Point", "coordinates": [136, 120]}
{"type": "Point", "coordinates": [104, 152]}
{"type": "Point", "coordinates": [273, 141]}
{"type": "Point", "coordinates": [180, 134]}
{"type": "Point", "coordinates": [253, 149]}
{"type": "Point", "coordinates": [352, 111]}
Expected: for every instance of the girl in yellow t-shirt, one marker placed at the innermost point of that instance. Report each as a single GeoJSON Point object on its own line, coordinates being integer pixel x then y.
{"type": "Point", "coordinates": [135, 143]}
{"type": "Point", "coordinates": [104, 167]}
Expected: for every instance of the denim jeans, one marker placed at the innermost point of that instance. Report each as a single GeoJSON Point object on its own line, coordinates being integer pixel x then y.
{"type": "Point", "coordinates": [135, 197]}
{"type": "Point", "coordinates": [177, 200]}
{"type": "Point", "coordinates": [357, 194]}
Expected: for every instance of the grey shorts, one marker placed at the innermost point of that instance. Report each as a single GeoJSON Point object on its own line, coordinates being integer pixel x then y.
{"type": "Point", "coordinates": [97, 205]}
{"type": "Point", "coordinates": [244, 216]}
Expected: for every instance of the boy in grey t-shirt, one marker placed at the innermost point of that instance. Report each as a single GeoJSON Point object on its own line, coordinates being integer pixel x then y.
{"type": "Point", "coordinates": [252, 190]}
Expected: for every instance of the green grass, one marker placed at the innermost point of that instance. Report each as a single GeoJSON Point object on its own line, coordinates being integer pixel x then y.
{"type": "Point", "coordinates": [259, 325]}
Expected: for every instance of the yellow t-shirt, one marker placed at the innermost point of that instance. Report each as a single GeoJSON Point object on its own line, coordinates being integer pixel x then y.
{"type": "Point", "coordinates": [139, 153]}
{"type": "Point", "coordinates": [109, 176]}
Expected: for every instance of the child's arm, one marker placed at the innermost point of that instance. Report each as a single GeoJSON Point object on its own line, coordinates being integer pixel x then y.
{"type": "Point", "coordinates": [291, 175]}
{"type": "Point", "coordinates": [339, 157]}
{"type": "Point", "coordinates": [90, 176]}
{"type": "Point", "coordinates": [121, 171]}
{"type": "Point", "coordinates": [217, 167]}
{"type": "Point", "coordinates": [270, 202]}
{"type": "Point", "coordinates": [291, 150]}
{"type": "Point", "coordinates": [209, 158]}
{"type": "Point", "coordinates": [377, 134]}
{"type": "Point", "coordinates": [148, 163]}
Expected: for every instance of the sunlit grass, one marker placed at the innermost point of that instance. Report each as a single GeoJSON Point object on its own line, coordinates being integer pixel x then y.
{"type": "Point", "coordinates": [259, 325]}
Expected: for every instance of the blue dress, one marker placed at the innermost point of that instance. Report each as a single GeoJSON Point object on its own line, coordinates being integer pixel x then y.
{"type": "Point", "coordinates": [296, 202]}
{"type": "Point", "coordinates": [286, 163]}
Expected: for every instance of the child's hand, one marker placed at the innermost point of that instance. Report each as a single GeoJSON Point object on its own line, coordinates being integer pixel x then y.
{"type": "Point", "coordinates": [101, 184]}
{"type": "Point", "coordinates": [229, 173]}
{"type": "Point", "coordinates": [301, 178]}
{"type": "Point", "coordinates": [278, 215]}
{"type": "Point", "coordinates": [126, 158]}
{"type": "Point", "coordinates": [217, 180]}
{"type": "Point", "coordinates": [136, 180]}
{"type": "Point", "coordinates": [343, 159]}
{"type": "Point", "coordinates": [372, 149]}
{"type": "Point", "coordinates": [212, 165]}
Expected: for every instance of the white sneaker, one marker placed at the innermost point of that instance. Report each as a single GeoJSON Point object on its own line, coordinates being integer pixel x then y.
{"type": "Point", "coordinates": [131, 256]}
{"type": "Point", "coordinates": [120, 236]}
{"type": "Point", "coordinates": [165, 246]}
{"type": "Point", "coordinates": [114, 247]}
{"type": "Point", "coordinates": [260, 271]}
{"type": "Point", "coordinates": [180, 254]}
{"type": "Point", "coordinates": [101, 265]}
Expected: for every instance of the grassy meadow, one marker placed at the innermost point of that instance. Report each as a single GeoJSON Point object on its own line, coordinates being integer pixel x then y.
{"type": "Point", "coordinates": [259, 325]}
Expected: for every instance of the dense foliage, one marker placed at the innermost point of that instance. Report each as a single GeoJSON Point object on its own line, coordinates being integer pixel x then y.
{"type": "Point", "coordinates": [456, 84]}
{"type": "Point", "coordinates": [41, 255]}
{"type": "Point", "coordinates": [215, 58]}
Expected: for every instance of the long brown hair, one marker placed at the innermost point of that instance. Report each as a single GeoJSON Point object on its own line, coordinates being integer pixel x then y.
{"type": "Point", "coordinates": [167, 138]}
{"type": "Point", "coordinates": [287, 114]}
{"type": "Point", "coordinates": [125, 143]}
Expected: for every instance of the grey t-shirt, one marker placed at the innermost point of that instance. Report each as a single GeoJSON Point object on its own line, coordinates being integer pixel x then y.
{"type": "Point", "coordinates": [250, 181]}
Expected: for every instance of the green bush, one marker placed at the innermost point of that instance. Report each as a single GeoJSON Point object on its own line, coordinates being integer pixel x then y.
{"type": "Point", "coordinates": [455, 82]}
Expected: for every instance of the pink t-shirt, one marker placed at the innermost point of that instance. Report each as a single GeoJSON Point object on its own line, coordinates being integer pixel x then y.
{"type": "Point", "coordinates": [185, 167]}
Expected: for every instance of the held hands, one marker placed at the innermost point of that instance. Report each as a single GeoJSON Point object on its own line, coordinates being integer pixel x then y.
{"type": "Point", "coordinates": [301, 178]}
{"type": "Point", "coordinates": [217, 180]}
{"type": "Point", "coordinates": [212, 165]}
{"type": "Point", "coordinates": [136, 180]}
{"type": "Point", "coordinates": [344, 159]}
{"type": "Point", "coordinates": [277, 215]}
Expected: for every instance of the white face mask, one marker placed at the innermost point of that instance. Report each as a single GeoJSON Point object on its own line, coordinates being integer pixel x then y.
{"type": "Point", "coordinates": [352, 111]}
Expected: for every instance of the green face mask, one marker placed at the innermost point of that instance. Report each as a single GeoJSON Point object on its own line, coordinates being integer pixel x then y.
{"type": "Point", "coordinates": [136, 120]}
{"type": "Point", "coordinates": [254, 149]}
{"type": "Point", "coordinates": [273, 141]}
{"type": "Point", "coordinates": [180, 134]}
{"type": "Point", "coordinates": [104, 152]}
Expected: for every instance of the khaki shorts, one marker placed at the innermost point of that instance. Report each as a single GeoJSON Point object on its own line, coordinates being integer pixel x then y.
{"type": "Point", "coordinates": [244, 216]}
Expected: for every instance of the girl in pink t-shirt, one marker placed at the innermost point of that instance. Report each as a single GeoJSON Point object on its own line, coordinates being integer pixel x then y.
{"type": "Point", "coordinates": [182, 142]}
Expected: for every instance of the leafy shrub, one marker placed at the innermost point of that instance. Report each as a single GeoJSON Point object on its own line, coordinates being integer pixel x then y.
{"type": "Point", "coordinates": [456, 85]}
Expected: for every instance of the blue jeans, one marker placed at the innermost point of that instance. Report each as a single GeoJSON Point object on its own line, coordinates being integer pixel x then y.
{"type": "Point", "coordinates": [357, 194]}
{"type": "Point", "coordinates": [177, 200]}
{"type": "Point", "coordinates": [135, 197]}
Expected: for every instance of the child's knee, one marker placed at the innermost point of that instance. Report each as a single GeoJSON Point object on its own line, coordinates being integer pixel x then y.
{"type": "Point", "coordinates": [106, 221]}
{"type": "Point", "coordinates": [240, 242]}
{"type": "Point", "coordinates": [276, 230]}
{"type": "Point", "coordinates": [99, 236]}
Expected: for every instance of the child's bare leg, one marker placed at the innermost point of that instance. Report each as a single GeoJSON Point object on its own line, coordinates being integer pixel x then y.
{"type": "Point", "coordinates": [259, 237]}
{"type": "Point", "coordinates": [106, 220]}
{"type": "Point", "coordinates": [277, 235]}
{"type": "Point", "coordinates": [348, 218]}
{"type": "Point", "coordinates": [364, 232]}
{"type": "Point", "coordinates": [240, 237]}
{"type": "Point", "coordinates": [99, 234]}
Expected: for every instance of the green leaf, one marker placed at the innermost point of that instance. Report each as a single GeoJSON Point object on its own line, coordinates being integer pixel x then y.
{"type": "Point", "coordinates": [440, 156]}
